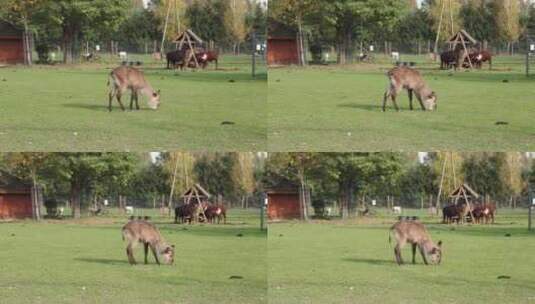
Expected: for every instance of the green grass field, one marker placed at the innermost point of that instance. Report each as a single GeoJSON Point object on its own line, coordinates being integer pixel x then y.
{"type": "Point", "coordinates": [85, 262]}
{"type": "Point", "coordinates": [334, 108]}
{"type": "Point", "coordinates": [64, 108]}
{"type": "Point", "coordinates": [352, 262]}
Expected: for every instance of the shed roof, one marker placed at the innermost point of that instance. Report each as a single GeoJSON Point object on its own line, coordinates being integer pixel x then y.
{"type": "Point", "coordinates": [7, 29]}
{"type": "Point", "coordinates": [277, 29]}
{"type": "Point", "coordinates": [282, 191]}
{"type": "Point", "coordinates": [194, 38]}
{"type": "Point", "coordinates": [283, 186]}
{"type": "Point", "coordinates": [466, 37]}
{"type": "Point", "coordinates": [199, 189]}
{"type": "Point", "coordinates": [12, 184]}
{"type": "Point", "coordinates": [467, 189]}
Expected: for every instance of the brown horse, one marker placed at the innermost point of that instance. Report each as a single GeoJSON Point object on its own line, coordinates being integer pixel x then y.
{"type": "Point", "coordinates": [478, 58]}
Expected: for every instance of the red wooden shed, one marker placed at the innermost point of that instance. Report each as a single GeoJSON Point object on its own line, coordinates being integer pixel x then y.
{"type": "Point", "coordinates": [283, 203]}
{"type": "Point", "coordinates": [15, 198]}
{"type": "Point", "coordinates": [282, 44]}
{"type": "Point", "coordinates": [11, 44]}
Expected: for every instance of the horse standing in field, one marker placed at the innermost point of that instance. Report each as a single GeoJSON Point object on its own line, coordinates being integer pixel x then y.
{"type": "Point", "coordinates": [447, 59]}
{"type": "Point", "coordinates": [209, 56]}
{"type": "Point", "coordinates": [176, 58]}
{"type": "Point", "coordinates": [489, 216]}
{"type": "Point", "coordinates": [455, 58]}
{"type": "Point", "coordinates": [478, 58]}
{"type": "Point", "coordinates": [127, 78]}
{"type": "Point", "coordinates": [455, 213]}
{"type": "Point", "coordinates": [216, 212]}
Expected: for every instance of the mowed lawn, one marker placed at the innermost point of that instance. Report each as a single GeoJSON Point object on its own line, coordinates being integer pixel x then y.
{"type": "Point", "coordinates": [352, 262]}
{"type": "Point", "coordinates": [85, 262]}
{"type": "Point", "coordinates": [337, 108]}
{"type": "Point", "coordinates": [64, 108]}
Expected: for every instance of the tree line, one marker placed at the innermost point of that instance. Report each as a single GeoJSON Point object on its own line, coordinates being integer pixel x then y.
{"type": "Point", "coordinates": [351, 180]}
{"type": "Point", "coordinates": [83, 179]}
{"type": "Point", "coordinates": [352, 25]}
{"type": "Point", "coordinates": [69, 25]}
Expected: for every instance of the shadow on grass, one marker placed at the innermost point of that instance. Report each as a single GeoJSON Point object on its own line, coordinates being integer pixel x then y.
{"type": "Point", "coordinates": [93, 107]}
{"type": "Point", "coordinates": [377, 107]}
{"type": "Point", "coordinates": [103, 107]}
{"type": "Point", "coordinates": [102, 261]}
{"type": "Point", "coordinates": [370, 261]}
{"type": "Point", "coordinates": [367, 107]}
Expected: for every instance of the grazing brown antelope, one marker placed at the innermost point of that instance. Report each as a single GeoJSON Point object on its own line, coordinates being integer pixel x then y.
{"type": "Point", "coordinates": [406, 78]}
{"type": "Point", "coordinates": [135, 232]}
{"type": "Point", "coordinates": [127, 78]}
{"type": "Point", "coordinates": [415, 233]}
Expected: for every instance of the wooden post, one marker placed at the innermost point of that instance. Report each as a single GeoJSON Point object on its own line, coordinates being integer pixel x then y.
{"type": "Point", "coordinates": [451, 18]}
{"type": "Point", "coordinates": [165, 28]}
{"type": "Point", "coordinates": [441, 182]}
{"type": "Point", "coordinates": [173, 186]}
{"type": "Point", "coordinates": [469, 206]}
{"type": "Point", "coordinates": [452, 161]}
{"type": "Point", "coordinates": [254, 54]}
{"type": "Point", "coordinates": [262, 212]}
{"type": "Point", "coordinates": [527, 59]}
{"type": "Point", "coordinates": [439, 28]}
{"type": "Point", "coordinates": [466, 53]}
{"type": "Point", "coordinates": [530, 212]}
{"type": "Point", "coordinates": [192, 51]}
{"type": "Point", "coordinates": [421, 202]}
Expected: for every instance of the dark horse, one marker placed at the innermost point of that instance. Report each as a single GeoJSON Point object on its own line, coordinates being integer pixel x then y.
{"type": "Point", "coordinates": [453, 58]}
{"type": "Point", "coordinates": [175, 58]}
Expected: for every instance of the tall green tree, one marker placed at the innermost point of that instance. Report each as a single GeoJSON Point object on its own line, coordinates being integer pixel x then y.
{"type": "Point", "coordinates": [214, 172]}
{"type": "Point", "coordinates": [79, 18]}
{"type": "Point", "coordinates": [84, 172]}
{"type": "Point", "coordinates": [507, 20]}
